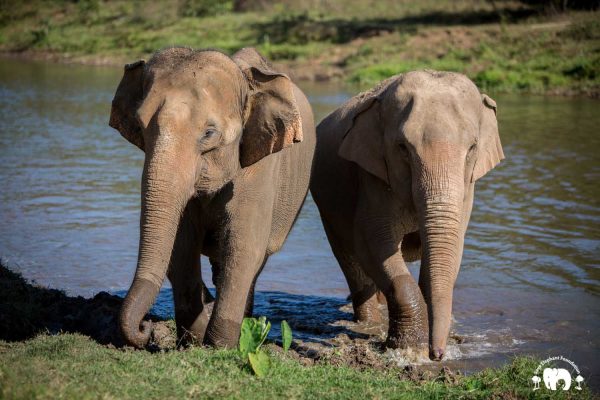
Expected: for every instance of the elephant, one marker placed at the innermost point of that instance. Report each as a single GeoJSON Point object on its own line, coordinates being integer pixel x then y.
{"type": "Point", "coordinates": [553, 375]}
{"type": "Point", "coordinates": [228, 143]}
{"type": "Point", "coordinates": [393, 179]}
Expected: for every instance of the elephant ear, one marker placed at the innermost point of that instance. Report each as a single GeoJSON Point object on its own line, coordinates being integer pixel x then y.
{"type": "Point", "coordinates": [129, 95]}
{"type": "Point", "coordinates": [363, 139]}
{"type": "Point", "coordinates": [272, 118]}
{"type": "Point", "coordinates": [490, 148]}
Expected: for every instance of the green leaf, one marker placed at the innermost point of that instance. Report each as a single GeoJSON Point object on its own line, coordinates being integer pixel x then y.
{"type": "Point", "coordinates": [265, 328]}
{"type": "Point", "coordinates": [252, 334]}
{"type": "Point", "coordinates": [286, 335]}
{"type": "Point", "coordinates": [248, 336]}
{"type": "Point", "coordinates": [260, 363]}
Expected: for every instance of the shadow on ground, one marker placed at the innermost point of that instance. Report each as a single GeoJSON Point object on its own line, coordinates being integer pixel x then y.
{"type": "Point", "coordinates": [27, 309]}
{"type": "Point", "coordinates": [322, 326]}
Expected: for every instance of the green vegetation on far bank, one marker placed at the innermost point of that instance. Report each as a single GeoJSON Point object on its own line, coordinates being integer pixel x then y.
{"type": "Point", "coordinates": [72, 366]}
{"type": "Point", "coordinates": [501, 45]}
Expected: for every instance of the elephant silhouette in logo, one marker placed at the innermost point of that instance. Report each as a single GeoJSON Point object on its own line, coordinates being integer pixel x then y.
{"type": "Point", "coordinates": [553, 375]}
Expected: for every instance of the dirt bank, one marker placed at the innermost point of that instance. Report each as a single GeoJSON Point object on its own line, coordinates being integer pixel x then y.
{"type": "Point", "coordinates": [27, 310]}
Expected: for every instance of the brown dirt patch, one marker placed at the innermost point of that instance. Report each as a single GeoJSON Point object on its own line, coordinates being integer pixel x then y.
{"type": "Point", "coordinates": [27, 310]}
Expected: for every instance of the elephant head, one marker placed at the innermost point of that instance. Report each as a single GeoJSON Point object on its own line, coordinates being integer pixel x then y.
{"type": "Point", "coordinates": [428, 136]}
{"type": "Point", "coordinates": [200, 117]}
{"type": "Point", "coordinates": [553, 375]}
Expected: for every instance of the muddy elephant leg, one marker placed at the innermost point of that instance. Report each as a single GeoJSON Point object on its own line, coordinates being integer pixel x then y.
{"type": "Point", "coordinates": [363, 291]}
{"type": "Point", "coordinates": [408, 324]}
{"type": "Point", "coordinates": [189, 292]}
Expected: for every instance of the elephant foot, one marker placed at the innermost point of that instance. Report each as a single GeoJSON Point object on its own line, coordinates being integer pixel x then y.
{"type": "Point", "coordinates": [222, 333]}
{"type": "Point", "coordinates": [408, 323]}
{"type": "Point", "coordinates": [368, 311]}
{"type": "Point", "coordinates": [411, 344]}
{"type": "Point", "coordinates": [192, 334]}
{"type": "Point", "coordinates": [413, 351]}
{"type": "Point", "coordinates": [412, 339]}
{"type": "Point", "coordinates": [366, 306]}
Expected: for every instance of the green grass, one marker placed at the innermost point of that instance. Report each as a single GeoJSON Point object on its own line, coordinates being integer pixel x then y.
{"type": "Point", "coordinates": [73, 367]}
{"type": "Point", "coordinates": [563, 57]}
{"type": "Point", "coordinates": [37, 364]}
{"type": "Point", "coordinates": [512, 47]}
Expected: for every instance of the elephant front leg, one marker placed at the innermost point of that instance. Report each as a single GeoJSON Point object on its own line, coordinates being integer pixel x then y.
{"type": "Point", "coordinates": [242, 253]}
{"type": "Point", "coordinates": [249, 310]}
{"type": "Point", "coordinates": [232, 299]}
{"type": "Point", "coordinates": [189, 293]}
{"type": "Point", "coordinates": [217, 269]}
{"type": "Point", "coordinates": [408, 323]}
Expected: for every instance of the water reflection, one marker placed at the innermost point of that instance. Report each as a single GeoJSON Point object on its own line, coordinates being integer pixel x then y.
{"type": "Point", "coordinates": [69, 207]}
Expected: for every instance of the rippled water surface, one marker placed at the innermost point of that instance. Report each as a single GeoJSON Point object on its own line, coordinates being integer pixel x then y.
{"type": "Point", "coordinates": [529, 283]}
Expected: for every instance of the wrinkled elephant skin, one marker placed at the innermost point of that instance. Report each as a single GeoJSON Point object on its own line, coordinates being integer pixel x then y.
{"type": "Point", "coordinates": [393, 179]}
{"type": "Point", "coordinates": [228, 145]}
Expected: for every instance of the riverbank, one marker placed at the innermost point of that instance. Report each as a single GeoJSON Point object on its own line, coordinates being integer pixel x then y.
{"type": "Point", "coordinates": [502, 46]}
{"type": "Point", "coordinates": [72, 366]}
{"type": "Point", "coordinates": [52, 345]}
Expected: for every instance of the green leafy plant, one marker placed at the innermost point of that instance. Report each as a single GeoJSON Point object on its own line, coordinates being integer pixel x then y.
{"type": "Point", "coordinates": [286, 335]}
{"type": "Point", "coordinates": [252, 335]}
{"type": "Point", "coordinates": [259, 362]}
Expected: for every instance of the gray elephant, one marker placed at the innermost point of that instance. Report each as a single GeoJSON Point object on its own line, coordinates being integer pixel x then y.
{"type": "Point", "coordinates": [225, 175]}
{"type": "Point", "coordinates": [393, 179]}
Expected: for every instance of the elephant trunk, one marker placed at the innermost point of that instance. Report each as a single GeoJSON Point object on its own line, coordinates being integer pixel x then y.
{"type": "Point", "coordinates": [439, 197]}
{"type": "Point", "coordinates": [164, 195]}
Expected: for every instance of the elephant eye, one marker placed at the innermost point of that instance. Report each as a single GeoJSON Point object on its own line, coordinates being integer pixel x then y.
{"type": "Point", "coordinates": [403, 149]}
{"type": "Point", "coordinates": [471, 150]}
{"type": "Point", "coordinates": [210, 132]}
{"type": "Point", "coordinates": [208, 140]}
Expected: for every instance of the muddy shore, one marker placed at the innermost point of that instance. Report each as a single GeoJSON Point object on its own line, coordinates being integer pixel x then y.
{"type": "Point", "coordinates": [27, 310]}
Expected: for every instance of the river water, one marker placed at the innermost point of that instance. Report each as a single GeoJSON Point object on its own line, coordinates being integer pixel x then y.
{"type": "Point", "coordinates": [529, 281]}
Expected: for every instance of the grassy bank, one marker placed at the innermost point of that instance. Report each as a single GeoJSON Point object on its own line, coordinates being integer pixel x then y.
{"type": "Point", "coordinates": [74, 367]}
{"type": "Point", "coordinates": [501, 45]}
{"type": "Point", "coordinates": [56, 346]}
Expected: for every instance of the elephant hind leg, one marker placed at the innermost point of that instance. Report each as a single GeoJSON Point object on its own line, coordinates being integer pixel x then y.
{"type": "Point", "coordinates": [363, 291]}
{"type": "Point", "coordinates": [411, 247]}
{"type": "Point", "coordinates": [189, 292]}
{"type": "Point", "coordinates": [189, 295]}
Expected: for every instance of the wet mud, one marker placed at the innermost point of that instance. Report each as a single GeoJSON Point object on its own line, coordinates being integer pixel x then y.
{"type": "Point", "coordinates": [27, 310]}
{"type": "Point", "coordinates": [322, 327]}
